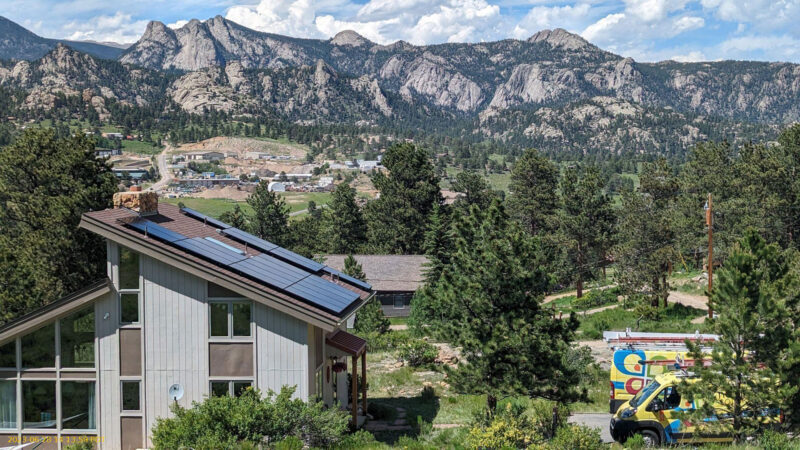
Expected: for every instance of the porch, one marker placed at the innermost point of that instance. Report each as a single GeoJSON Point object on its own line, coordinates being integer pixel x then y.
{"type": "Point", "coordinates": [343, 347]}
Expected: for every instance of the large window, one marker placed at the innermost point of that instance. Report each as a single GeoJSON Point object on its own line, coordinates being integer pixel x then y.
{"type": "Point", "coordinates": [77, 339]}
{"type": "Point", "coordinates": [129, 308]}
{"type": "Point", "coordinates": [38, 404]}
{"type": "Point", "coordinates": [39, 348]}
{"type": "Point", "coordinates": [128, 269]}
{"type": "Point", "coordinates": [77, 405]}
{"type": "Point", "coordinates": [131, 396]}
{"type": "Point", "coordinates": [8, 355]}
{"type": "Point", "coordinates": [234, 388]}
{"type": "Point", "coordinates": [231, 319]}
{"type": "Point", "coordinates": [8, 404]}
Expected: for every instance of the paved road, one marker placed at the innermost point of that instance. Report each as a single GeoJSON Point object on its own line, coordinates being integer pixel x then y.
{"type": "Point", "coordinates": [166, 175]}
{"type": "Point", "coordinates": [594, 420]}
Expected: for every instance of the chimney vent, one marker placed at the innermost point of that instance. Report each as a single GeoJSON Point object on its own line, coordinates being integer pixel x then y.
{"type": "Point", "coordinates": [144, 203]}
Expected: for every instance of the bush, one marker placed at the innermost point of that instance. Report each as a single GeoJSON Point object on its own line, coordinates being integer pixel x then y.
{"type": "Point", "coordinates": [230, 422]}
{"type": "Point", "coordinates": [775, 440]}
{"type": "Point", "coordinates": [370, 319]}
{"type": "Point", "coordinates": [596, 298]}
{"type": "Point", "coordinates": [577, 436]}
{"type": "Point", "coordinates": [418, 352]}
{"type": "Point", "coordinates": [509, 427]}
{"type": "Point", "coordinates": [635, 442]}
{"type": "Point", "coordinates": [358, 440]}
{"type": "Point", "coordinates": [387, 341]}
{"type": "Point", "coordinates": [541, 413]}
{"type": "Point", "coordinates": [83, 445]}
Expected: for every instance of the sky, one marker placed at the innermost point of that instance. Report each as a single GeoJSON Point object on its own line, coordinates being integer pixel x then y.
{"type": "Point", "coordinates": [646, 30]}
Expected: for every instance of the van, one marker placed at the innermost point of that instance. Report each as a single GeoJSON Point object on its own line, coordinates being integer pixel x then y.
{"type": "Point", "coordinates": [658, 412]}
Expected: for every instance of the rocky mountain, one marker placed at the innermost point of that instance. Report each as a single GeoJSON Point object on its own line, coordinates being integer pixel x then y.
{"type": "Point", "coordinates": [18, 43]}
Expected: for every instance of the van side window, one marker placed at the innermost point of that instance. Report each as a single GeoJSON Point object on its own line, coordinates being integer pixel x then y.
{"type": "Point", "coordinates": [670, 397]}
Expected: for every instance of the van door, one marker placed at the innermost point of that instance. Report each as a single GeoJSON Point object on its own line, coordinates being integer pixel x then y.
{"type": "Point", "coordinates": [671, 410]}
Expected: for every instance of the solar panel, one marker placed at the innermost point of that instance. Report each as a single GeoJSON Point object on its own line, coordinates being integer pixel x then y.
{"type": "Point", "coordinates": [348, 278]}
{"type": "Point", "coordinates": [204, 218]}
{"type": "Point", "coordinates": [210, 251]}
{"type": "Point", "coordinates": [269, 270]}
{"type": "Point", "coordinates": [294, 258]}
{"type": "Point", "coordinates": [249, 239]}
{"type": "Point", "coordinates": [323, 293]}
{"type": "Point", "coordinates": [155, 230]}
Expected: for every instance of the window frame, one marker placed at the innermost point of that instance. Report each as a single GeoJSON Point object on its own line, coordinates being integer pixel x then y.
{"type": "Point", "coordinates": [122, 409]}
{"type": "Point", "coordinates": [229, 322]}
{"type": "Point", "coordinates": [60, 407]}
{"type": "Point", "coordinates": [138, 295]}
{"type": "Point", "coordinates": [230, 383]}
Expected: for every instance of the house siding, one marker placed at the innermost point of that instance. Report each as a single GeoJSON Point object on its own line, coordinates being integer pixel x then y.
{"type": "Point", "coordinates": [282, 351]}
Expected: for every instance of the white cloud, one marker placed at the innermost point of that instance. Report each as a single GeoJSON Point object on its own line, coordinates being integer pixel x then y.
{"type": "Point", "coordinates": [774, 48]}
{"type": "Point", "coordinates": [693, 56]}
{"type": "Point", "coordinates": [119, 28]}
{"type": "Point", "coordinates": [294, 18]}
{"type": "Point", "coordinates": [458, 21]}
{"type": "Point", "coordinates": [375, 31]}
{"type": "Point", "coordinates": [570, 17]}
{"type": "Point", "coordinates": [177, 24]}
{"type": "Point", "coordinates": [765, 15]}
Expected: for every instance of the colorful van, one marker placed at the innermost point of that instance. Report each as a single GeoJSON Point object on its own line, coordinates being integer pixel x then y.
{"type": "Point", "coordinates": [632, 369]}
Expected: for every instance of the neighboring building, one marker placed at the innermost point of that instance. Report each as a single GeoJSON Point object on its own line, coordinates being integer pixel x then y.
{"type": "Point", "coordinates": [107, 152]}
{"type": "Point", "coordinates": [299, 176]}
{"type": "Point", "coordinates": [226, 180]}
{"type": "Point", "coordinates": [276, 186]}
{"type": "Point", "coordinates": [394, 278]}
{"type": "Point", "coordinates": [257, 155]}
{"type": "Point", "coordinates": [368, 166]}
{"type": "Point", "coordinates": [135, 173]}
{"type": "Point", "coordinates": [325, 182]}
{"type": "Point", "coordinates": [205, 156]}
{"type": "Point", "coordinates": [187, 310]}
{"type": "Point", "coordinates": [113, 135]}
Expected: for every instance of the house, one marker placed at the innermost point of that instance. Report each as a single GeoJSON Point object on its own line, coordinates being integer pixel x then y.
{"type": "Point", "coordinates": [325, 182]}
{"type": "Point", "coordinates": [276, 186]}
{"type": "Point", "coordinates": [107, 152]}
{"type": "Point", "coordinates": [368, 166]}
{"type": "Point", "coordinates": [205, 156]}
{"type": "Point", "coordinates": [189, 308]}
{"type": "Point", "coordinates": [113, 135]}
{"type": "Point", "coordinates": [134, 173]}
{"type": "Point", "coordinates": [394, 278]}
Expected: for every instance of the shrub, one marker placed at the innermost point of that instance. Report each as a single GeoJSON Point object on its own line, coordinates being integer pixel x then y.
{"type": "Point", "coordinates": [635, 442]}
{"type": "Point", "coordinates": [596, 298]}
{"type": "Point", "coordinates": [508, 428]}
{"type": "Point", "coordinates": [230, 422]}
{"type": "Point", "coordinates": [577, 436]}
{"type": "Point", "coordinates": [83, 445]}
{"type": "Point", "coordinates": [290, 443]}
{"type": "Point", "coordinates": [386, 341]}
{"type": "Point", "coordinates": [358, 440]}
{"type": "Point", "coordinates": [541, 414]}
{"type": "Point", "coordinates": [418, 352]}
{"type": "Point", "coordinates": [370, 319]}
{"type": "Point", "coordinates": [775, 440]}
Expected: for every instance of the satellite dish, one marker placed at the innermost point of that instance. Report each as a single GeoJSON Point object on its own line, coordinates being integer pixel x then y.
{"type": "Point", "coordinates": [175, 392]}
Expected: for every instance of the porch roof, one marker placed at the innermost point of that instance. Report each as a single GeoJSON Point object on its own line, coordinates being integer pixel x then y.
{"type": "Point", "coordinates": [346, 342]}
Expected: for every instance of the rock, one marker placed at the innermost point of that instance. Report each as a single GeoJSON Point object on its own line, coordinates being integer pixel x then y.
{"type": "Point", "coordinates": [351, 38]}
{"type": "Point", "coordinates": [560, 38]}
{"type": "Point", "coordinates": [145, 203]}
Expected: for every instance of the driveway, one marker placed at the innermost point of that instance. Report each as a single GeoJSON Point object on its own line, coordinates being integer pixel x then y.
{"type": "Point", "coordinates": [594, 420]}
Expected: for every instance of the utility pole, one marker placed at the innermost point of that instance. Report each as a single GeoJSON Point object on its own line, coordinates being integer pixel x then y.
{"type": "Point", "coordinates": [710, 223]}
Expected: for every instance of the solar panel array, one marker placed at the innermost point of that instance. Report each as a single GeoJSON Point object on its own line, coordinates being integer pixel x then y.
{"type": "Point", "coordinates": [268, 268]}
{"type": "Point", "coordinates": [206, 219]}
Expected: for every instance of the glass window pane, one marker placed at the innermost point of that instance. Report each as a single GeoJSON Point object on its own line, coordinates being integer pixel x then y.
{"type": "Point", "coordinates": [129, 308]}
{"type": "Point", "coordinates": [219, 388]}
{"type": "Point", "coordinates": [130, 396]}
{"type": "Point", "coordinates": [240, 386]}
{"type": "Point", "coordinates": [8, 404]}
{"type": "Point", "coordinates": [38, 404]}
{"type": "Point", "coordinates": [8, 355]}
{"type": "Point", "coordinates": [77, 405]}
{"type": "Point", "coordinates": [399, 301]}
{"type": "Point", "coordinates": [241, 319]}
{"type": "Point", "coordinates": [219, 319]}
{"type": "Point", "coordinates": [39, 348]}
{"type": "Point", "coordinates": [77, 339]}
{"type": "Point", "coordinates": [128, 269]}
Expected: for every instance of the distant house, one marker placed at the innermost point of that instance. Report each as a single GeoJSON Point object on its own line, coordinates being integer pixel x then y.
{"type": "Point", "coordinates": [394, 278]}
{"type": "Point", "coordinates": [368, 166]}
{"type": "Point", "coordinates": [113, 135]}
{"type": "Point", "coordinates": [205, 156]}
{"type": "Point", "coordinates": [276, 186]}
{"type": "Point", "coordinates": [135, 173]}
{"type": "Point", "coordinates": [107, 152]}
{"type": "Point", "coordinates": [256, 155]}
{"type": "Point", "coordinates": [325, 182]}
{"type": "Point", "coordinates": [189, 308]}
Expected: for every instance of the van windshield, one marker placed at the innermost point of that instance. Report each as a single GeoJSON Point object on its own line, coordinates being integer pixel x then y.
{"type": "Point", "coordinates": [644, 394]}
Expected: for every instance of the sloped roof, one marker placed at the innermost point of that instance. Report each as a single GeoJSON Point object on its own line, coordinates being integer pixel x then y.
{"type": "Point", "coordinates": [111, 223]}
{"type": "Point", "coordinates": [346, 342]}
{"type": "Point", "coordinates": [387, 272]}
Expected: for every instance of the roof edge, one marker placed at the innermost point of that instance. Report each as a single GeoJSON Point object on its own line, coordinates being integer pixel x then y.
{"type": "Point", "coordinates": [55, 310]}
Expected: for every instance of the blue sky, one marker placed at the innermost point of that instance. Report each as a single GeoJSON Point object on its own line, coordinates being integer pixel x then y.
{"type": "Point", "coordinates": [647, 30]}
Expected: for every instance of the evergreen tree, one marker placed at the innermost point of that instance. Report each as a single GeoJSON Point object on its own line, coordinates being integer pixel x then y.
{"type": "Point", "coordinates": [755, 334]}
{"type": "Point", "coordinates": [475, 188]}
{"type": "Point", "coordinates": [45, 185]}
{"type": "Point", "coordinates": [370, 318]}
{"type": "Point", "coordinates": [438, 243]}
{"type": "Point", "coordinates": [397, 219]}
{"type": "Point", "coordinates": [270, 218]}
{"type": "Point", "coordinates": [488, 302]}
{"type": "Point", "coordinates": [347, 230]}
{"type": "Point", "coordinates": [235, 218]}
{"type": "Point", "coordinates": [533, 201]}
{"type": "Point", "coordinates": [586, 224]}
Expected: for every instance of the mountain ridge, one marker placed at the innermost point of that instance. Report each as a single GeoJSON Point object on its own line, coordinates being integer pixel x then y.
{"type": "Point", "coordinates": [17, 42]}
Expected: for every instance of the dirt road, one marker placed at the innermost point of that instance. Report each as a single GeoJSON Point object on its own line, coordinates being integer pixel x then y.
{"type": "Point", "coordinates": [166, 174]}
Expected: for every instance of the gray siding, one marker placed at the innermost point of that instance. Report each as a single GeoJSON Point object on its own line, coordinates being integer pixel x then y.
{"type": "Point", "coordinates": [282, 347]}
{"type": "Point", "coordinates": [108, 361]}
{"type": "Point", "coordinates": [175, 319]}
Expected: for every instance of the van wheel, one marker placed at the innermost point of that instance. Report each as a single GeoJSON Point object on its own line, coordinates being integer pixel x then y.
{"type": "Point", "coordinates": [651, 438]}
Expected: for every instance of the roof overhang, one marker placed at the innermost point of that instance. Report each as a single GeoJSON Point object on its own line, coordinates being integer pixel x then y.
{"type": "Point", "coordinates": [327, 323]}
{"type": "Point", "coordinates": [346, 342]}
{"type": "Point", "coordinates": [54, 311]}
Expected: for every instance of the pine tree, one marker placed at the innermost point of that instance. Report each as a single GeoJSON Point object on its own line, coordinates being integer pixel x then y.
{"type": "Point", "coordinates": [235, 218]}
{"type": "Point", "coordinates": [45, 185]}
{"type": "Point", "coordinates": [347, 230]}
{"type": "Point", "coordinates": [270, 218]}
{"type": "Point", "coordinates": [370, 318]}
{"type": "Point", "coordinates": [533, 201]}
{"type": "Point", "coordinates": [755, 334]}
{"type": "Point", "coordinates": [488, 302]}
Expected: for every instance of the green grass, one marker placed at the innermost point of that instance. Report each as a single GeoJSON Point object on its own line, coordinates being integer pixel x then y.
{"type": "Point", "coordinates": [398, 320]}
{"type": "Point", "coordinates": [213, 207]}
{"type": "Point", "coordinates": [140, 147]}
{"type": "Point", "coordinates": [676, 318]}
{"type": "Point", "coordinates": [497, 181]}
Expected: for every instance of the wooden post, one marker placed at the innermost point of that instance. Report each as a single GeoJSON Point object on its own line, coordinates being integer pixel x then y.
{"type": "Point", "coordinates": [354, 399]}
{"type": "Point", "coordinates": [710, 223]}
{"type": "Point", "coordinates": [364, 382]}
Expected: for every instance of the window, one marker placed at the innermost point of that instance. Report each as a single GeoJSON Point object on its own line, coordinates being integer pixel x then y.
{"type": "Point", "coordinates": [39, 348]}
{"type": "Point", "coordinates": [8, 355]}
{"type": "Point", "coordinates": [38, 404]}
{"type": "Point", "coordinates": [399, 301]}
{"type": "Point", "coordinates": [77, 339]}
{"type": "Point", "coordinates": [129, 308]}
{"type": "Point", "coordinates": [128, 269]}
{"type": "Point", "coordinates": [231, 319]}
{"type": "Point", "coordinates": [8, 404]}
{"type": "Point", "coordinates": [235, 388]}
{"type": "Point", "coordinates": [77, 405]}
{"type": "Point", "coordinates": [130, 395]}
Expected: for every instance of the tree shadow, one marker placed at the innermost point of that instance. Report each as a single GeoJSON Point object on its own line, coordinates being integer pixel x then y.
{"type": "Point", "coordinates": [419, 412]}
